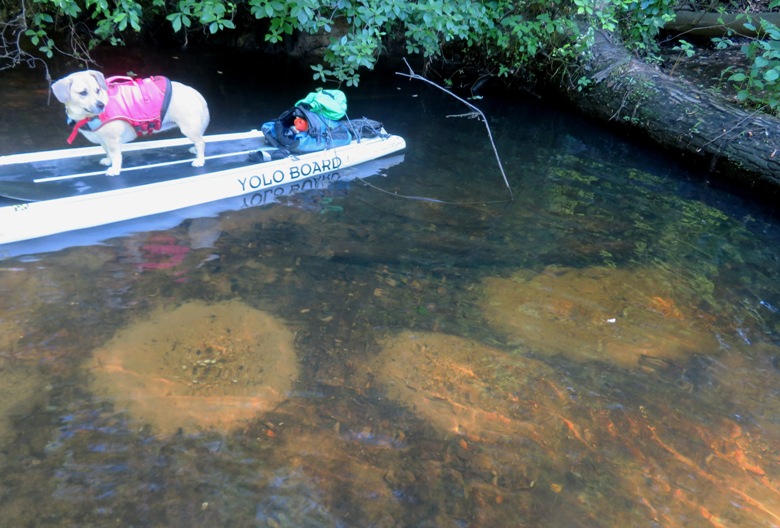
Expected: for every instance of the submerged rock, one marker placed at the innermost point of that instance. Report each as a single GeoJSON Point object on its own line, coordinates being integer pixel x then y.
{"type": "Point", "coordinates": [197, 366]}
{"type": "Point", "coordinates": [608, 314]}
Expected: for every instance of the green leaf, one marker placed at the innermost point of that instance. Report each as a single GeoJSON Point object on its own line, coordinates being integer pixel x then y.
{"type": "Point", "coordinates": [175, 21]}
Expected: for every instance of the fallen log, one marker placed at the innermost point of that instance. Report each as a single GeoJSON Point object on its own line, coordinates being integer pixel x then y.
{"type": "Point", "coordinates": [701, 124]}
{"type": "Point", "coordinates": [710, 25]}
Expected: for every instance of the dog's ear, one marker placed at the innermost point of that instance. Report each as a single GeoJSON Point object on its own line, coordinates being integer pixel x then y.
{"type": "Point", "coordinates": [61, 89]}
{"type": "Point", "coordinates": [100, 78]}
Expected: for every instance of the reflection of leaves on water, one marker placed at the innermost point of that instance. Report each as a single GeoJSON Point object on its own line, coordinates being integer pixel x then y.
{"type": "Point", "coordinates": [610, 203]}
{"type": "Point", "coordinates": [327, 206]}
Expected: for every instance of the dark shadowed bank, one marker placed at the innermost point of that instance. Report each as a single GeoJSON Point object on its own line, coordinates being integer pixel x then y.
{"type": "Point", "coordinates": [700, 123]}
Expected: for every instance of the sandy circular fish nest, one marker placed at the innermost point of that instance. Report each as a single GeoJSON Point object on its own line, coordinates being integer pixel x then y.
{"type": "Point", "coordinates": [464, 387]}
{"type": "Point", "coordinates": [623, 316]}
{"type": "Point", "coordinates": [197, 366]}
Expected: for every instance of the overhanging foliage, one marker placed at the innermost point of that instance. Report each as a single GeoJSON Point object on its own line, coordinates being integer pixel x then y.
{"type": "Point", "coordinates": [507, 36]}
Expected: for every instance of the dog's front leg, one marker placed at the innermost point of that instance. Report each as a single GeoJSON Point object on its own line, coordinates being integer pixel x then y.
{"type": "Point", "coordinates": [113, 158]}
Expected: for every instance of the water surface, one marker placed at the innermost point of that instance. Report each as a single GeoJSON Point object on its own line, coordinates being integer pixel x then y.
{"type": "Point", "coordinates": [603, 351]}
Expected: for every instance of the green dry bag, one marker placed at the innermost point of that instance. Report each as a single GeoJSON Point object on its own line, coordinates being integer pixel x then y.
{"type": "Point", "coordinates": [327, 103]}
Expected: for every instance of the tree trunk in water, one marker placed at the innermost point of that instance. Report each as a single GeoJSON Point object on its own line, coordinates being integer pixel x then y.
{"type": "Point", "coordinates": [734, 141]}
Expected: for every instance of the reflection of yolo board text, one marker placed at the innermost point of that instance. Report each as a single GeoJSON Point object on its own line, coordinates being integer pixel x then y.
{"type": "Point", "coordinates": [293, 172]}
{"type": "Point", "coordinates": [271, 195]}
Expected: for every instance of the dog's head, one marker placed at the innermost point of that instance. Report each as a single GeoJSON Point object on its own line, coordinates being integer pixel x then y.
{"type": "Point", "coordinates": [83, 93]}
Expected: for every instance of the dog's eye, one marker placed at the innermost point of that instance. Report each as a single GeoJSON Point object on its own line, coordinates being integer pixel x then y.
{"type": "Point", "coordinates": [83, 93]}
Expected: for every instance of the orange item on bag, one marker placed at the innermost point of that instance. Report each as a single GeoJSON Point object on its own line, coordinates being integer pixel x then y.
{"type": "Point", "coordinates": [300, 124]}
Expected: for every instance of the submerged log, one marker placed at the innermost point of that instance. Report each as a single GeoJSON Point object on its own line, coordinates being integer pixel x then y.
{"type": "Point", "coordinates": [676, 114]}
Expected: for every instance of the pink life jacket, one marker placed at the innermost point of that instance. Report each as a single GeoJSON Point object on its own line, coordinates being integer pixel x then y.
{"type": "Point", "coordinates": [141, 102]}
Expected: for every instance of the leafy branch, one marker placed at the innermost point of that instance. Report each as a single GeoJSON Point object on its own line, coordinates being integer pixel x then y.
{"type": "Point", "coordinates": [758, 85]}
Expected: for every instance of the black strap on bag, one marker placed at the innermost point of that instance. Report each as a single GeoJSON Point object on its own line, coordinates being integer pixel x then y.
{"type": "Point", "coordinates": [365, 128]}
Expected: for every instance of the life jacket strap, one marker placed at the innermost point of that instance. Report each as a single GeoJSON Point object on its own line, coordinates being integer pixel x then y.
{"type": "Point", "coordinates": [76, 128]}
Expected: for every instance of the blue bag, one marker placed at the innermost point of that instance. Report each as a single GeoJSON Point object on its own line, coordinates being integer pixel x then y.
{"type": "Point", "coordinates": [319, 132]}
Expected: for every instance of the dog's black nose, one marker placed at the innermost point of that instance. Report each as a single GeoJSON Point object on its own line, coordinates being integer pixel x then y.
{"type": "Point", "coordinates": [100, 105]}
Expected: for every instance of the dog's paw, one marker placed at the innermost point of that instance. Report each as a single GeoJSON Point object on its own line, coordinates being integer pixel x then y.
{"type": "Point", "coordinates": [106, 162]}
{"type": "Point", "coordinates": [113, 172]}
{"type": "Point", "coordinates": [198, 163]}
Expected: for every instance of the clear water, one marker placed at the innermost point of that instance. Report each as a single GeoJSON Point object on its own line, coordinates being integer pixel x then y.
{"type": "Point", "coordinates": [603, 351]}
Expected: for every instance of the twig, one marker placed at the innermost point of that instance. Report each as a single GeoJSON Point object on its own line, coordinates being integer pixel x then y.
{"type": "Point", "coordinates": [470, 115]}
{"type": "Point", "coordinates": [730, 130]}
{"type": "Point", "coordinates": [412, 75]}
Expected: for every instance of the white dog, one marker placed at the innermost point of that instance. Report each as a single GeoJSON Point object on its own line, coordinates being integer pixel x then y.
{"type": "Point", "coordinates": [118, 109]}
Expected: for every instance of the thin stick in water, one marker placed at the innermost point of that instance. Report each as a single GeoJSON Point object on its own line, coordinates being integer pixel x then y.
{"type": "Point", "coordinates": [412, 75]}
